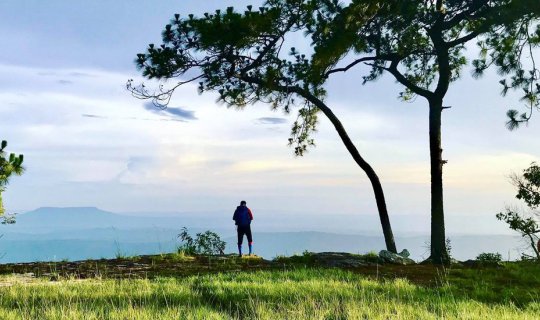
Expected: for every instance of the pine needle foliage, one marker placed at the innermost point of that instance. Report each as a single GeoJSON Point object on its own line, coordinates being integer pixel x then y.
{"type": "Point", "coordinates": [10, 165]}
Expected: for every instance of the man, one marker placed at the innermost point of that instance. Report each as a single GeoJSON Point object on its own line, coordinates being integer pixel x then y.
{"type": "Point", "coordinates": [242, 219]}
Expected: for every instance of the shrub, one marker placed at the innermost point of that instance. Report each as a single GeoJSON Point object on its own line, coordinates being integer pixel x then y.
{"type": "Point", "coordinates": [371, 256]}
{"type": "Point", "coordinates": [188, 244]}
{"type": "Point", "coordinates": [206, 243]}
{"type": "Point", "coordinates": [489, 257]}
{"type": "Point", "coordinates": [527, 222]}
{"type": "Point", "coordinates": [306, 257]}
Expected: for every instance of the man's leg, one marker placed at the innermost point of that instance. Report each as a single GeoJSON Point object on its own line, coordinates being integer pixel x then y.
{"type": "Point", "coordinates": [250, 239]}
{"type": "Point", "coordinates": [240, 233]}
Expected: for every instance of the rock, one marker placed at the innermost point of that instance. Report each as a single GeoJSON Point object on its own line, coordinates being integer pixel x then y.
{"type": "Point", "coordinates": [404, 253]}
{"type": "Point", "coordinates": [339, 259]}
{"type": "Point", "coordinates": [390, 257]}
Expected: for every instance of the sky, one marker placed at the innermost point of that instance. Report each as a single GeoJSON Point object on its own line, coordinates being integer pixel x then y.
{"type": "Point", "coordinates": [88, 142]}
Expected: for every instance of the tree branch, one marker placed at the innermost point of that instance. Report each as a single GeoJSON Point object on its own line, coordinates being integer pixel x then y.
{"type": "Point", "coordinates": [388, 57]}
{"type": "Point", "coordinates": [406, 82]}
{"type": "Point", "coordinates": [465, 15]}
{"type": "Point", "coordinates": [160, 99]}
{"type": "Point", "coordinates": [463, 39]}
{"type": "Point", "coordinates": [256, 63]}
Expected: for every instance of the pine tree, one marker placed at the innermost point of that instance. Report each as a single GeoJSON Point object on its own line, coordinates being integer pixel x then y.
{"type": "Point", "coordinates": [9, 166]}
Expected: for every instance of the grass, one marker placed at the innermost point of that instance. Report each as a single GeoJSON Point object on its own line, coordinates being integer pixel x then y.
{"type": "Point", "coordinates": [305, 257]}
{"type": "Point", "coordinates": [517, 283]}
{"type": "Point", "coordinates": [299, 293]}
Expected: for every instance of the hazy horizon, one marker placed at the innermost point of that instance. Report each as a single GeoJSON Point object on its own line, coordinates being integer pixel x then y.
{"type": "Point", "coordinates": [407, 224]}
{"type": "Point", "coordinates": [54, 234]}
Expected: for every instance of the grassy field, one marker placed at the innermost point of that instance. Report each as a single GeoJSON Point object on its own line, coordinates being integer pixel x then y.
{"type": "Point", "coordinates": [512, 292]}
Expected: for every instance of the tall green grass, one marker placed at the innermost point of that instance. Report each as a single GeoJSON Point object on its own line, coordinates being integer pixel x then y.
{"type": "Point", "coordinates": [295, 294]}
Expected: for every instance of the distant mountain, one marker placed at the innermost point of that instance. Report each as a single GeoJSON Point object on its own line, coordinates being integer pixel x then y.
{"type": "Point", "coordinates": [81, 217]}
{"type": "Point", "coordinates": [49, 219]}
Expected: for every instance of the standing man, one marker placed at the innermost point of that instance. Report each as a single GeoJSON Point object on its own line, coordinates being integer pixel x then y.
{"type": "Point", "coordinates": [242, 219]}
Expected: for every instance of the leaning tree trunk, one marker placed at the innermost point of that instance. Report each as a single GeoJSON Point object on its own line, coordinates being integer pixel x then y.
{"type": "Point", "coordinates": [439, 253]}
{"type": "Point", "coordinates": [373, 178]}
{"type": "Point", "coordinates": [535, 246]}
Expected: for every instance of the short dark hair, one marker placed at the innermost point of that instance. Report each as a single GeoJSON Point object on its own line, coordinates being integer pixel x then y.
{"type": "Point", "coordinates": [243, 203]}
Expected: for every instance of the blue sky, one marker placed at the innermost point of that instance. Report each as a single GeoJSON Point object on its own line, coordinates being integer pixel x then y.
{"type": "Point", "coordinates": [63, 69]}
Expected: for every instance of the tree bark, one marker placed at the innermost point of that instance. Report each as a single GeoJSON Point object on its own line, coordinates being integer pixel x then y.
{"type": "Point", "coordinates": [439, 253]}
{"type": "Point", "coordinates": [373, 178]}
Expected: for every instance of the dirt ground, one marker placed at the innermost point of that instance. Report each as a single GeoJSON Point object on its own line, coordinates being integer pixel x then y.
{"type": "Point", "coordinates": [152, 266]}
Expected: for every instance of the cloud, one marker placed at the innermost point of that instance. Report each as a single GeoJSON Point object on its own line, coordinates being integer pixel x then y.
{"type": "Point", "coordinates": [271, 120]}
{"type": "Point", "coordinates": [46, 73]}
{"type": "Point", "coordinates": [95, 116]}
{"type": "Point", "coordinates": [62, 81]}
{"type": "Point", "coordinates": [140, 163]}
{"type": "Point", "coordinates": [81, 74]}
{"type": "Point", "coordinates": [184, 114]}
{"type": "Point", "coordinates": [72, 74]}
{"type": "Point", "coordinates": [86, 115]}
{"type": "Point", "coordinates": [176, 112]}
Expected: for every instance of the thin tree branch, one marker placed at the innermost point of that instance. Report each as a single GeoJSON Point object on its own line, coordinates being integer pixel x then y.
{"type": "Point", "coordinates": [160, 99]}
{"type": "Point", "coordinates": [406, 82]}
{"type": "Point", "coordinates": [463, 39]}
{"type": "Point", "coordinates": [261, 55]}
{"type": "Point", "coordinates": [465, 15]}
{"type": "Point", "coordinates": [388, 57]}
{"type": "Point", "coordinates": [269, 47]}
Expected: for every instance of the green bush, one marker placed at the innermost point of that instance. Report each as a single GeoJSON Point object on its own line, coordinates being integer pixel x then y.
{"type": "Point", "coordinates": [305, 257]}
{"type": "Point", "coordinates": [371, 256]}
{"type": "Point", "coordinates": [489, 257]}
{"type": "Point", "coordinates": [206, 243]}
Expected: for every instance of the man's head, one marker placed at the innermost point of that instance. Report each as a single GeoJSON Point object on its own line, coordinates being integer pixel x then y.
{"type": "Point", "coordinates": [242, 203]}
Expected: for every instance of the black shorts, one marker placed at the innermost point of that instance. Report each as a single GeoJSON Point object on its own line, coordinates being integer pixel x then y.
{"type": "Point", "coordinates": [244, 230]}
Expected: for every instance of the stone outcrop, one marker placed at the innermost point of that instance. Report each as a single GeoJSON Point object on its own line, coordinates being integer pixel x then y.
{"type": "Point", "coordinates": [341, 260]}
{"type": "Point", "coordinates": [404, 253]}
{"type": "Point", "coordinates": [401, 258]}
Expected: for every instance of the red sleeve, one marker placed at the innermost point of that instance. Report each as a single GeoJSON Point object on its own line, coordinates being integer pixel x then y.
{"type": "Point", "coordinates": [250, 214]}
